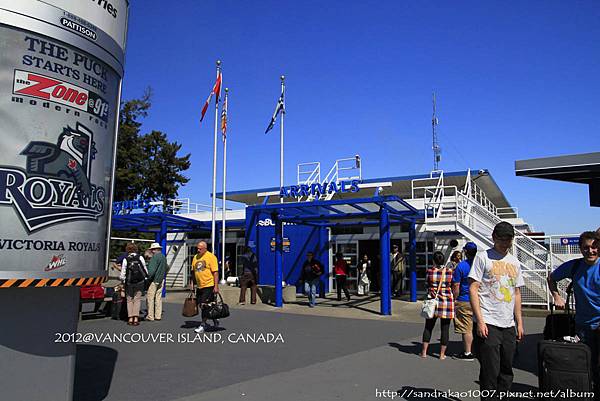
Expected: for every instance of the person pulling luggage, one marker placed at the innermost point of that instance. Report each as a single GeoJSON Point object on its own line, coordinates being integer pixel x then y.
{"type": "Point", "coordinates": [585, 275]}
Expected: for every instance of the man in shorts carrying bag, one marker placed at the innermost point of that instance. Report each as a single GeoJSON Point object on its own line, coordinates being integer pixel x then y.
{"type": "Point", "coordinates": [206, 274]}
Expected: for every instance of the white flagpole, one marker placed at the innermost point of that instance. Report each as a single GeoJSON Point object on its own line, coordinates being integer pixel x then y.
{"type": "Point", "coordinates": [281, 155]}
{"type": "Point", "coordinates": [214, 182]}
{"type": "Point", "coordinates": [281, 136]}
{"type": "Point", "coordinates": [224, 211]}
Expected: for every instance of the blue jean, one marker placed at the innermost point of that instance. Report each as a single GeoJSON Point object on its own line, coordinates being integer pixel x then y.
{"type": "Point", "coordinates": [310, 289]}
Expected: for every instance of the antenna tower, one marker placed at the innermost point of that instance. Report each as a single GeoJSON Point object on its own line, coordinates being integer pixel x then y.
{"type": "Point", "coordinates": [437, 150]}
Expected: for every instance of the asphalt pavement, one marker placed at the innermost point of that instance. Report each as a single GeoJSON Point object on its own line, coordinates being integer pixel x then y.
{"type": "Point", "coordinates": [331, 352]}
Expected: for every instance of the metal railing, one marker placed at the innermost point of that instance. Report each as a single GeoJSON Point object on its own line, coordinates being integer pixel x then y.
{"type": "Point", "coordinates": [463, 210]}
{"type": "Point", "coordinates": [184, 206]}
{"type": "Point", "coordinates": [507, 212]}
{"type": "Point", "coordinates": [310, 175]}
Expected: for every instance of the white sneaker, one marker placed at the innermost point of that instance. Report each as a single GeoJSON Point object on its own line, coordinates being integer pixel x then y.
{"type": "Point", "coordinates": [199, 329]}
{"type": "Point", "coordinates": [216, 323]}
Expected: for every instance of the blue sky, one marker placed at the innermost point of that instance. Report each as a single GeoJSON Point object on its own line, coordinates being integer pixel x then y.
{"type": "Point", "coordinates": [514, 80]}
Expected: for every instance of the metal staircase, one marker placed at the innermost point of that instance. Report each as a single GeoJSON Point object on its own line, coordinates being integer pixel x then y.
{"type": "Point", "coordinates": [468, 211]}
{"type": "Point", "coordinates": [308, 174]}
{"type": "Point", "coordinates": [342, 170]}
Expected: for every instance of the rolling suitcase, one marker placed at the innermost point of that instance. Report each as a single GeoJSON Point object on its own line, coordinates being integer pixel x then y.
{"type": "Point", "coordinates": [118, 307]}
{"type": "Point", "coordinates": [565, 366]}
{"type": "Point", "coordinates": [560, 325]}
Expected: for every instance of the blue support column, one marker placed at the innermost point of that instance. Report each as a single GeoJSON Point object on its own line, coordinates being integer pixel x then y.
{"type": "Point", "coordinates": [161, 238]}
{"type": "Point", "coordinates": [278, 260]}
{"type": "Point", "coordinates": [412, 243]}
{"type": "Point", "coordinates": [384, 247]}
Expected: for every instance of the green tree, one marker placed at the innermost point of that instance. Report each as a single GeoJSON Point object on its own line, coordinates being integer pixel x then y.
{"type": "Point", "coordinates": [161, 161]}
{"type": "Point", "coordinates": [147, 166]}
{"type": "Point", "coordinates": [129, 183]}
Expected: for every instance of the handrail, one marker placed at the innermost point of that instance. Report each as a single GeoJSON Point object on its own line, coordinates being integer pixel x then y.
{"type": "Point", "coordinates": [184, 206]}
{"type": "Point", "coordinates": [518, 233]}
{"type": "Point", "coordinates": [485, 223]}
{"type": "Point", "coordinates": [315, 171]}
{"type": "Point", "coordinates": [467, 188]}
{"type": "Point", "coordinates": [470, 207]}
{"type": "Point", "coordinates": [509, 210]}
{"type": "Point", "coordinates": [332, 173]}
{"type": "Point", "coordinates": [517, 248]}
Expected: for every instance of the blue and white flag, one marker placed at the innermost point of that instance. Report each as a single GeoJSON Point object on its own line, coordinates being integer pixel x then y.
{"type": "Point", "coordinates": [280, 108]}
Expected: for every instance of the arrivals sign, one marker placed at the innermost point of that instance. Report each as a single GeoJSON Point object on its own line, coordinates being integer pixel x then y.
{"type": "Point", "coordinates": [318, 189]}
{"type": "Point", "coordinates": [60, 77]}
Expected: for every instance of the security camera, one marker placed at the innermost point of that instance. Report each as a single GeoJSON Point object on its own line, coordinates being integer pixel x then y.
{"type": "Point", "coordinates": [481, 172]}
{"type": "Point", "coordinates": [379, 190]}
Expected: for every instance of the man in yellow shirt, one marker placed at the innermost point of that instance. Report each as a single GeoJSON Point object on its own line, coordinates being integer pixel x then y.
{"type": "Point", "coordinates": [206, 274]}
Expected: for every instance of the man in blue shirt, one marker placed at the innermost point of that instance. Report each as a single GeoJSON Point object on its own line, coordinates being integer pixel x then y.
{"type": "Point", "coordinates": [585, 273]}
{"type": "Point", "coordinates": [463, 320]}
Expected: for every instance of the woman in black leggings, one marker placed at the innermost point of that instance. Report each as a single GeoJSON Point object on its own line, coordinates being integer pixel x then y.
{"type": "Point", "coordinates": [445, 302]}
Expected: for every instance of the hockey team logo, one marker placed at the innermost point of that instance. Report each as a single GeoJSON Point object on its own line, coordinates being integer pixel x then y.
{"type": "Point", "coordinates": [55, 186]}
{"type": "Point", "coordinates": [56, 262]}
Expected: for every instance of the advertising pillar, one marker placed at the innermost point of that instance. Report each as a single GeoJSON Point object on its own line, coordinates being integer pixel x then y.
{"type": "Point", "coordinates": [60, 84]}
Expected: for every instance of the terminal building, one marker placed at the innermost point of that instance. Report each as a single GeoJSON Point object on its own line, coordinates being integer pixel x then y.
{"type": "Point", "coordinates": [348, 213]}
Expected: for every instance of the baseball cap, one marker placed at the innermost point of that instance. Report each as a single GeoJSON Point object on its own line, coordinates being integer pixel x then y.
{"type": "Point", "coordinates": [470, 246]}
{"type": "Point", "coordinates": [504, 230]}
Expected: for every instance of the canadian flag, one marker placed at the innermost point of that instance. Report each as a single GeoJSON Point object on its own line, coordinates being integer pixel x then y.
{"type": "Point", "coordinates": [216, 90]}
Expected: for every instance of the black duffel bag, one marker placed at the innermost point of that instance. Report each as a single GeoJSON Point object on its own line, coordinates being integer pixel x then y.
{"type": "Point", "coordinates": [217, 309]}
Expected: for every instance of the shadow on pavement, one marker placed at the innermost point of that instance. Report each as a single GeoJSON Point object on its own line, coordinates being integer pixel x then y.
{"type": "Point", "coordinates": [192, 324]}
{"type": "Point", "coordinates": [414, 348]}
{"type": "Point", "coordinates": [94, 368]}
{"type": "Point", "coordinates": [356, 302]}
{"type": "Point", "coordinates": [454, 347]}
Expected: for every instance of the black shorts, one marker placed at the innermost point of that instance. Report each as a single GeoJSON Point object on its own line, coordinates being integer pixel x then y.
{"type": "Point", "coordinates": [205, 295]}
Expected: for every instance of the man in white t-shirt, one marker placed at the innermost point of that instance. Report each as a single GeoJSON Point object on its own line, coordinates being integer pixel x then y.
{"type": "Point", "coordinates": [495, 295]}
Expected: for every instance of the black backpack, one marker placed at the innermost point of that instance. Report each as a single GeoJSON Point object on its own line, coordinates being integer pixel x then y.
{"type": "Point", "coordinates": [135, 271]}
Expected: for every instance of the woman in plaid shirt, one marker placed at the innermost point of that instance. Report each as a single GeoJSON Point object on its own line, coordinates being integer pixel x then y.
{"type": "Point", "coordinates": [445, 302]}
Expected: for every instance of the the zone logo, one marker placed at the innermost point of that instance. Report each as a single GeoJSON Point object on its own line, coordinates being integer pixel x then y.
{"type": "Point", "coordinates": [56, 262]}
{"type": "Point", "coordinates": [55, 187]}
{"type": "Point", "coordinates": [61, 92]}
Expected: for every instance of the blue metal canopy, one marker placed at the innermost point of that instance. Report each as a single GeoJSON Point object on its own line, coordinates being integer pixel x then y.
{"type": "Point", "coordinates": [345, 211]}
{"type": "Point", "coordinates": [154, 222]}
{"type": "Point", "coordinates": [377, 210]}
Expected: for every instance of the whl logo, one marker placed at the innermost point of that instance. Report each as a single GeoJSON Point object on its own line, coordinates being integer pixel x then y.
{"type": "Point", "coordinates": [56, 262]}
{"type": "Point", "coordinates": [55, 187]}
